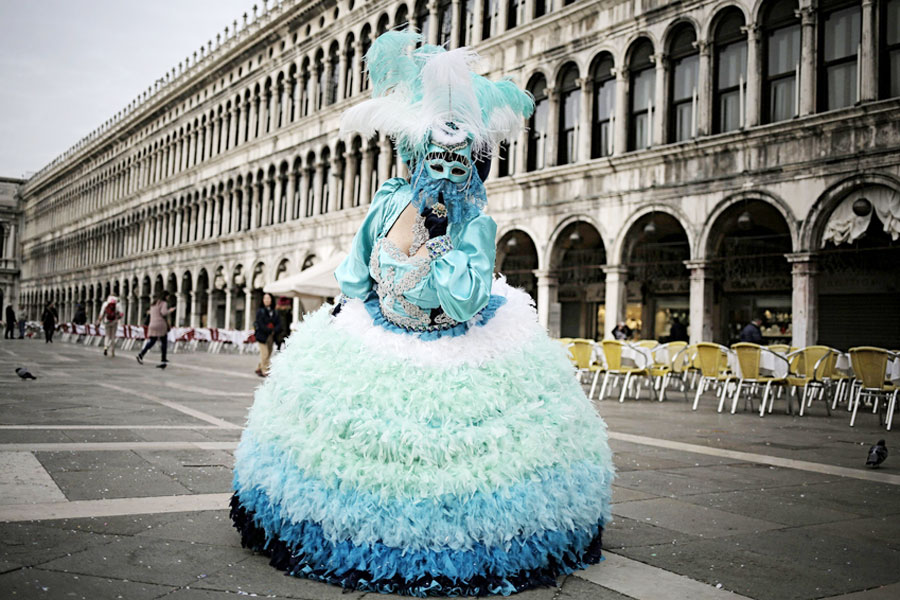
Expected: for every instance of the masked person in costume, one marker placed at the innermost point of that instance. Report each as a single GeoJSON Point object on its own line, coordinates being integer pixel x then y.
{"type": "Point", "coordinates": [424, 436]}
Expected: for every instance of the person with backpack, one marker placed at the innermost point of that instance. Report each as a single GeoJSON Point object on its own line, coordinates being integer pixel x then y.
{"type": "Point", "coordinates": [158, 329]}
{"type": "Point", "coordinates": [109, 316]}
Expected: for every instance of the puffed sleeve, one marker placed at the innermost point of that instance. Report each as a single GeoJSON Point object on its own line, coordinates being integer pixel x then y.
{"type": "Point", "coordinates": [463, 276]}
{"type": "Point", "coordinates": [353, 273]}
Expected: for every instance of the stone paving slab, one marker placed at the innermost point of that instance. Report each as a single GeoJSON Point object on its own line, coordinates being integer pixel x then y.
{"type": "Point", "coordinates": [52, 585]}
{"type": "Point", "coordinates": [768, 532]}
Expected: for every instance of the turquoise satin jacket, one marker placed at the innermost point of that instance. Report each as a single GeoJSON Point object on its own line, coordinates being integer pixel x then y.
{"type": "Point", "coordinates": [458, 281]}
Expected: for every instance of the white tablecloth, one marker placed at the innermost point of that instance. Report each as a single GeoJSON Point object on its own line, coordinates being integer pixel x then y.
{"type": "Point", "coordinates": [892, 372]}
{"type": "Point", "coordinates": [770, 365]}
{"type": "Point", "coordinates": [636, 356]}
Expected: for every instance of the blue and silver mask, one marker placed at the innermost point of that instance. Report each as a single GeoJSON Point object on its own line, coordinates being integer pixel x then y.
{"type": "Point", "coordinates": [446, 175]}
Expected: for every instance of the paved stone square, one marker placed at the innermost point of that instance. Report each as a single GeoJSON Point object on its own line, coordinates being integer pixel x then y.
{"type": "Point", "coordinates": [114, 482]}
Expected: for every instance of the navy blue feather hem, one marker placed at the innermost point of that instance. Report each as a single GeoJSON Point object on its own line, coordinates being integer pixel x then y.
{"type": "Point", "coordinates": [298, 561]}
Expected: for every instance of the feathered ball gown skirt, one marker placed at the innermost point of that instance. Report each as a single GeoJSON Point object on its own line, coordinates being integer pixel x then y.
{"type": "Point", "coordinates": [467, 465]}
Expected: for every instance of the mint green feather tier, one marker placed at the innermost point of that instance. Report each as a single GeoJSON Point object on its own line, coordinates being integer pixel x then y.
{"type": "Point", "coordinates": [465, 465]}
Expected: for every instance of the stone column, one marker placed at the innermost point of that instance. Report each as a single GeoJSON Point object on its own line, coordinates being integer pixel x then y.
{"type": "Point", "coordinates": [329, 75]}
{"type": "Point", "coordinates": [547, 304]}
{"type": "Point", "coordinates": [195, 309]}
{"type": "Point", "coordinates": [616, 278]}
{"type": "Point", "coordinates": [521, 158]}
{"type": "Point", "coordinates": [703, 126]}
{"type": "Point", "coordinates": [211, 308]}
{"type": "Point", "coordinates": [252, 117]}
{"type": "Point", "coordinates": [502, 15]}
{"type": "Point", "coordinates": [620, 111]}
{"type": "Point", "coordinates": [356, 67]}
{"type": "Point", "coordinates": [248, 308]}
{"type": "Point", "coordinates": [266, 189]}
{"type": "Point", "coordinates": [365, 178]}
{"type": "Point", "coordinates": [385, 156]}
{"type": "Point", "coordinates": [180, 304]}
{"type": "Point", "coordinates": [661, 104]}
{"type": "Point", "coordinates": [807, 61]}
{"type": "Point", "coordinates": [750, 118]}
{"type": "Point", "coordinates": [349, 177]}
{"type": "Point", "coordinates": [318, 182]}
{"type": "Point", "coordinates": [277, 200]}
{"type": "Point", "coordinates": [701, 301]}
{"type": "Point", "coordinates": [804, 299]}
{"type": "Point", "coordinates": [314, 88]}
{"type": "Point", "coordinates": [227, 323]}
{"type": "Point", "coordinates": [550, 147]}
{"type": "Point", "coordinates": [304, 192]}
{"type": "Point", "coordinates": [584, 127]}
{"type": "Point", "coordinates": [240, 123]}
{"type": "Point", "coordinates": [295, 310]}
{"type": "Point", "coordinates": [179, 217]}
{"type": "Point", "coordinates": [291, 192]}
{"type": "Point", "coordinates": [478, 18]}
{"type": "Point", "coordinates": [227, 199]}
{"type": "Point", "coordinates": [868, 64]}
{"type": "Point", "coordinates": [432, 22]}
{"type": "Point", "coordinates": [342, 75]}
{"type": "Point", "coordinates": [455, 32]}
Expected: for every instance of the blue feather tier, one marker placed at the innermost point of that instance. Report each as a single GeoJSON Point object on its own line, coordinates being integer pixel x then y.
{"type": "Point", "coordinates": [463, 465]}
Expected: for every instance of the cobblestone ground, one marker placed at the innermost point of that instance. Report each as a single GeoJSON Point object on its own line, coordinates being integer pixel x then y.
{"type": "Point", "coordinates": [114, 480]}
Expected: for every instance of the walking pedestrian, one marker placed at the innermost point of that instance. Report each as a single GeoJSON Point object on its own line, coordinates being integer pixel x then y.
{"type": "Point", "coordinates": [49, 320]}
{"type": "Point", "coordinates": [10, 333]}
{"type": "Point", "coordinates": [158, 329]}
{"type": "Point", "coordinates": [109, 316]}
{"type": "Point", "coordinates": [267, 326]}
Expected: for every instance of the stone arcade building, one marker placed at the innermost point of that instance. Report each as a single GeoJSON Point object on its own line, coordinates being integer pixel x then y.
{"type": "Point", "coordinates": [707, 160]}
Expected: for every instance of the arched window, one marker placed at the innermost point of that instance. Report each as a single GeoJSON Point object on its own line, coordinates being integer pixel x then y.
{"type": "Point", "coordinates": [270, 105]}
{"type": "Point", "coordinates": [326, 177]}
{"type": "Point", "coordinates": [334, 74]}
{"type": "Point", "coordinates": [293, 90]}
{"type": "Point", "coordinates": [642, 86]}
{"type": "Point", "coordinates": [540, 8]}
{"type": "Point", "coordinates": [838, 53]}
{"type": "Point", "coordinates": [537, 124]}
{"type": "Point", "coordinates": [569, 101]}
{"type": "Point", "coordinates": [730, 72]}
{"type": "Point", "coordinates": [445, 23]}
{"type": "Point", "coordinates": [319, 100]}
{"type": "Point", "coordinates": [889, 62]}
{"type": "Point", "coordinates": [423, 18]}
{"type": "Point", "coordinates": [305, 88]}
{"type": "Point", "coordinates": [685, 61]}
{"type": "Point", "coordinates": [309, 175]}
{"type": "Point", "coordinates": [604, 106]}
{"type": "Point", "coordinates": [349, 53]}
{"type": "Point", "coordinates": [466, 22]}
{"type": "Point", "coordinates": [366, 39]}
{"type": "Point", "coordinates": [781, 35]}
{"type": "Point", "coordinates": [401, 20]}
{"type": "Point", "coordinates": [512, 13]}
{"type": "Point", "coordinates": [487, 17]}
{"type": "Point", "coordinates": [504, 160]}
{"type": "Point", "coordinates": [279, 104]}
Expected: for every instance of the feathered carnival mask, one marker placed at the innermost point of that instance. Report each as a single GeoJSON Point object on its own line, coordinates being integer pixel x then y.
{"type": "Point", "coordinates": [442, 117]}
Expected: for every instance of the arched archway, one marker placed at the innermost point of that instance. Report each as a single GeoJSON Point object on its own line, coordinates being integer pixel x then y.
{"type": "Point", "coordinates": [658, 286]}
{"type": "Point", "coordinates": [746, 246]}
{"type": "Point", "coordinates": [577, 262]}
{"type": "Point", "coordinates": [857, 277]}
{"type": "Point", "coordinates": [517, 259]}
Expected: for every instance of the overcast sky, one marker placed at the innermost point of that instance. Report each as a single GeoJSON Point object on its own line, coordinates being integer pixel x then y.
{"type": "Point", "coordinates": [68, 65]}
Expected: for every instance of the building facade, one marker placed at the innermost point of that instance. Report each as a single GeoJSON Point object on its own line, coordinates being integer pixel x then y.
{"type": "Point", "coordinates": [709, 161]}
{"type": "Point", "coordinates": [10, 228]}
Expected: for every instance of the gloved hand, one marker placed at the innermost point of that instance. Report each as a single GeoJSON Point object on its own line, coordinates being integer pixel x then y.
{"type": "Point", "coordinates": [435, 225]}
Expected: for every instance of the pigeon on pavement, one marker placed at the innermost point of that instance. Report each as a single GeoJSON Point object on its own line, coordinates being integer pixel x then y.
{"type": "Point", "coordinates": [24, 373]}
{"type": "Point", "coordinates": [877, 454]}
